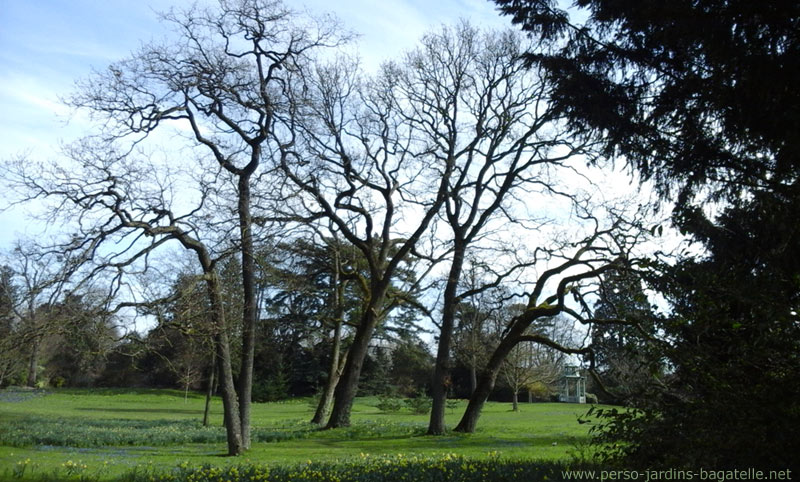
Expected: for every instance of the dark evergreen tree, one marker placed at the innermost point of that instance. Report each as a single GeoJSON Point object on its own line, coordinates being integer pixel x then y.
{"type": "Point", "coordinates": [701, 97]}
{"type": "Point", "coordinates": [376, 376]}
{"type": "Point", "coordinates": [10, 357]}
{"type": "Point", "coordinates": [122, 367]}
{"type": "Point", "coordinates": [78, 351]}
{"type": "Point", "coordinates": [732, 346]}
{"type": "Point", "coordinates": [411, 366]}
{"type": "Point", "coordinates": [691, 93]}
{"type": "Point", "coordinates": [625, 358]}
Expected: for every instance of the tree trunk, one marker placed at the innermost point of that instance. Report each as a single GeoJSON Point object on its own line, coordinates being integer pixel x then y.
{"type": "Point", "coordinates": [33, 361]}
{"type": "Point", "coordinates": [515, 401]}
{"type": "Point", "coordinates": [441, 371]}
{"type": "Point", "coordinates": [210, 389]}
{"type": "Point", "coordinates": [230, 406]}
{"type": "Point", "coordinates": [347, 387]}
{"type": "Point", "coordinates": [249, 313]}
{"type": "Point", "coordinates": [486, 384]}
{"type": "Point", "coordinates": [336, 367]}
{"type": "Point", "coordinates": [333, 378]}
{"type": "Point", "coordinates": [186, 385]}
{"type": "Point", "coordinates": [348, 383]}
{"type": "Point", "coordinates": [473, 376]}
{"type": "Point", "coordinates": [326, 400]}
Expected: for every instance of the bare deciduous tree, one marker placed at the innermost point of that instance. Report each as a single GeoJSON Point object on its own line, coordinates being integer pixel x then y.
{"type": "Point", "coordinates": [224, 78]}
{"type": "Point", "coordinates": [476, 106]}
{"type": "Point", "coordinates": [44, 277]}
{"type": "Point", "coordinates": [363, 168]}
{"type": "Point", "coordinates": [122, 214]}
{"type": "Point", "coordinates": [573, 270]}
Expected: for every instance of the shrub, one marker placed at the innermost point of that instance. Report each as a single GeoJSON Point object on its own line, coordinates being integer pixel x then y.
{"type": "Point", "coordinates": [389, 404]}
{"type": "Point", "coordinates": [419, 404]}
{"type": "Point", "coordinates": [271, 389]}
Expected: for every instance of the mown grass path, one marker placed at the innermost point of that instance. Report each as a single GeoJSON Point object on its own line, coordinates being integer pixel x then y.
{"type": "Point", "coordinates": [108, 432]}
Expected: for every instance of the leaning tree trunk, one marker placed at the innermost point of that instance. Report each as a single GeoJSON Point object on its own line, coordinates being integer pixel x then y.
{"type": "Point", "coordinates": [347, 387]}
{"type": "Point", "coordinates": [348, 383]}
{"type": "Point", "coordinates": [334, 375]}
{"type": "Point", "coordinates": [336, 367]}
{"type": "Point", "coordinates": [485, 385]}
{"type": "Point", "coordinates": [230, 405]}
{"type": "Point", "coordinates": [441, 371]}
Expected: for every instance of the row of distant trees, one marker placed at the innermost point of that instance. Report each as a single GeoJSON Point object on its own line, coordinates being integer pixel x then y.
{"type": "Point", "coordinates": [65, 340]}
{"type": "Point", "coordinates": [45, 317]}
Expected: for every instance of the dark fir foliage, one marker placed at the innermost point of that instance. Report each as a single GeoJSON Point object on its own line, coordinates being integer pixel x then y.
{"type": "Point", "coordinates": [10, 363]}
{"type": "Point", "coordinates": [411, 366]}
{"type": "Point", "coordinates": [376, 376]}
{"type": "Point", "coordinates": [79, 350]}
{"type": "Point", "coordinates": [730, 398]}
{"type": "Point", "coordinates": [688, 91]}
{"type": "Point", "coordinates": [701, 97]}
{"type": "Point", "coordinates": [295, 282]}
{"type": "Point", "coordinates": [625, 357]}
{"type": "Point", "coordinates": [123, 364]}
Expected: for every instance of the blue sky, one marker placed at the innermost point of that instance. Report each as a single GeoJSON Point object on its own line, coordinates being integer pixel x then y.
{"type": "Point", "coordinates": [46, 45]}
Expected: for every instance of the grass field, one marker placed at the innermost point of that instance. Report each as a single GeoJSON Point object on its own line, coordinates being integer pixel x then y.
{"type": "Point", "coordinates": [103, 434]}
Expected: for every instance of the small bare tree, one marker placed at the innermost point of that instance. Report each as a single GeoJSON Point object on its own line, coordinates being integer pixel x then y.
{"type": "Point", "coordinates": [473, 331]}
{"type": "Point", "coordinates": [533, 364]}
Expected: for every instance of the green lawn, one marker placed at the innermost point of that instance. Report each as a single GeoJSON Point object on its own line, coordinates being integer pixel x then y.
{"type": "Point", "coordinates": [109, 432]}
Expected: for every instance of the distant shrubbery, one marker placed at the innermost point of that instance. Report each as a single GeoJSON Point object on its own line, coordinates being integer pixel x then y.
{"type": "Point", "coordinates": [418, 405]}
{"type": "Point", "coordinates": [389, 404]}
